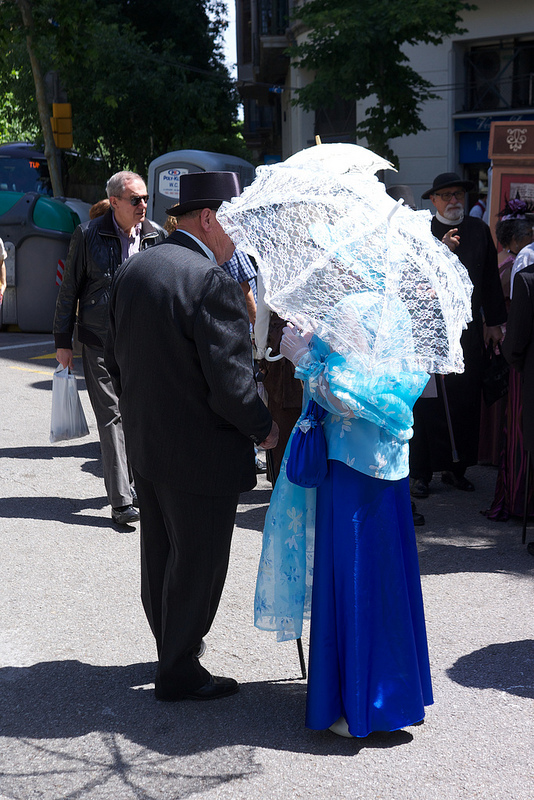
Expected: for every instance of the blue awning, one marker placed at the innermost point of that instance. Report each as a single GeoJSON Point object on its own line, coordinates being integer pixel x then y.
{"type": "Point", "coordinates": [474, 147]}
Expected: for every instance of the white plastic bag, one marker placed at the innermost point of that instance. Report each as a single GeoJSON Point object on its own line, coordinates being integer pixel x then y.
{"type": "Point", "coordinates": [68, 420]}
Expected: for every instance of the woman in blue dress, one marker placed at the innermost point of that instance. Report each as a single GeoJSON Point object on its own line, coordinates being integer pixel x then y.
{"type": "Point", "coordinates": [352, 540]}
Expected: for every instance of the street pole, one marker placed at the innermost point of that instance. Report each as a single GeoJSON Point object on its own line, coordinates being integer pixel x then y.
{"type": "Point", "coordinates": [50, 149]}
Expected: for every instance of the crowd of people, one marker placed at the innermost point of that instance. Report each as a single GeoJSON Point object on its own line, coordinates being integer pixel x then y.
{"type": "Point", "coordinates": [455, 428]}
{"type": "Point", "coordinates": [164, 318]}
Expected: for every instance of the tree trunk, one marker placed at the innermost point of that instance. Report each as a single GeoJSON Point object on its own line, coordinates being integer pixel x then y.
{"type": "Point", "coordinates": [50, 149]}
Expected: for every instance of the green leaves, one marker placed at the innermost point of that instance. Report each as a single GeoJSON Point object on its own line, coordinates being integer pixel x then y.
{"type": "Point", "coordinates": [141, 79]}
{"type": "Point", "coordinates": [355, 49]}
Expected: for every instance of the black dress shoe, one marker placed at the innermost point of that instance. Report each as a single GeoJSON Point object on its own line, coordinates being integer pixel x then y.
{"type": "Point", "coordinates": [459, 483]}
{"type": "Point", "coordinates": [125, 515]}
{"type": "Point", "coordinates": [212, 690]}
{"type": "Point", "coordinates": [419, 488]}
{"type": "Point", "coordinates": [418, 519]}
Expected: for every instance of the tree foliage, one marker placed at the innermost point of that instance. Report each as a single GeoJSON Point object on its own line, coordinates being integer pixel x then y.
{"type": "Point", "coordinates": [14, 125]}
{"type": "Point", "coordinates": [354, 47]}
{"type": "Point", "coordinates": [142, 78]}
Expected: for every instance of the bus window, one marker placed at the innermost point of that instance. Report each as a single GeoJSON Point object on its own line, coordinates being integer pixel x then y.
{"type": "Point", "coordinates": [24, 175]}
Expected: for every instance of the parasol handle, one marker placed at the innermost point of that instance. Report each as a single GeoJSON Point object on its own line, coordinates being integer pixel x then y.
{"type": "Point", "coordinates": [395, 208]}
{"type": "Point", "coordinates": [269, 357]}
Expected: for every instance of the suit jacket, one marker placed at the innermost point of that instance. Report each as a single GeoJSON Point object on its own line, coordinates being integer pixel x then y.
{"type": "Point", "coordinates": [518, 345]}
{"type": "Point", "coordinates": [179, 354]}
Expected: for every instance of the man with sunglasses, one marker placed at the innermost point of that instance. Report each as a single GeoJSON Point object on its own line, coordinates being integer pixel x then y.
{"type": "Point", "coordinates": [97, 250]}
{"type": "Point", "coordinates": [436, 444]}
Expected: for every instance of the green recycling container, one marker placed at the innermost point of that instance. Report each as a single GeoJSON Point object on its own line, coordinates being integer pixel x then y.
{"type": "Point", "coordinates": [36, 230]}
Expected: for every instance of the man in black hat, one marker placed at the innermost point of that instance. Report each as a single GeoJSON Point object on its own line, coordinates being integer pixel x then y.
{"type": "Point", "coordinates": [179, 354]}
{"type": "Point", "coordinates": [438, 444]}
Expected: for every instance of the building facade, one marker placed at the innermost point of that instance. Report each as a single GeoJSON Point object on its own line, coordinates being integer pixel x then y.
{"type": "Point", "coordinates": [485, 74]}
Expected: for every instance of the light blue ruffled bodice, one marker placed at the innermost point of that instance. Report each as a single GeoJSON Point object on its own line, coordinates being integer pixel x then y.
{"type": "Point", "coordinates": [370, 420]}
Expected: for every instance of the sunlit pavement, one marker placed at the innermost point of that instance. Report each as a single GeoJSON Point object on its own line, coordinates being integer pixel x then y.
{"type": "Point", "coordinates": [78, 719]}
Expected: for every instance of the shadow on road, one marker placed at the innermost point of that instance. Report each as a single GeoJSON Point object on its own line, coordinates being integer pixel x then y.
{"type": "Point", "coordinates": [47, 385]}
{"type": "Point", "coordinates": [60, 509]}
{"type": "Point", "coordinates": [507, 666]}
{"type": "Point", "coordinates": [66, 699]}
{"type": "Point", "coordinates": [90, 450]}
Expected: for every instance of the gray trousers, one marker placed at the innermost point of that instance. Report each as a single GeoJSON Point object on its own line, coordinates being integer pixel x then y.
{"type": "Point", "coordinates": [117, 473]}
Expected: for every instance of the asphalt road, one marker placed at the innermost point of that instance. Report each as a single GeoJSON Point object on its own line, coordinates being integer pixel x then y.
{"type": "Point", "coordinates": [78, 719]}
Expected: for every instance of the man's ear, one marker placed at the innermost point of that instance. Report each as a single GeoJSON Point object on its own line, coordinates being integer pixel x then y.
{"type": "Point", "coordinates": [207, 215]}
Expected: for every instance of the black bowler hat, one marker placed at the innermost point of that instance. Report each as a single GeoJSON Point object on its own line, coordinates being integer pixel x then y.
{"type": "Point", "coordinates": [399, 190]}
{"type": "Point", "coordinates": [447, 179]}
{"type": "Point", "coordinates": [205, 190]}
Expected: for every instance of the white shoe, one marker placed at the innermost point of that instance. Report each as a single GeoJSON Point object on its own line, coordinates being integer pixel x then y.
{"type": "Point", "coordinates": [341, 728]}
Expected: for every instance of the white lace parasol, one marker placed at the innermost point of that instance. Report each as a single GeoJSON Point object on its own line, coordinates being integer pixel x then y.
{"type": "Point", "coordinates": [339, 256]}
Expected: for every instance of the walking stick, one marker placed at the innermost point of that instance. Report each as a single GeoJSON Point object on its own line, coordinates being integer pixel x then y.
{"type": "Point", "coordinates": [449, 423]}
{"type": "Point", "coordinates": [301, 657]}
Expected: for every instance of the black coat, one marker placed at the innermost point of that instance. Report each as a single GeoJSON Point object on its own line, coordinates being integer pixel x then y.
{"type": "Point", "coordinates": [518, 345]}
{"type": "Point", "coordinates": [180, 358]}
{"type": "Point", "coordinates": [478, 254]}
{"type": "Point", "coordinates": [430, 448]}
{"type": "Point", "coordinates": [94, 256]}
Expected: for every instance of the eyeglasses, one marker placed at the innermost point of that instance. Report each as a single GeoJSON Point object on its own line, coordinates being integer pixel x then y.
{"type": "Point", "coordinates": [460, 194]}
{"type": "Point", "coordinates": [135, 199]}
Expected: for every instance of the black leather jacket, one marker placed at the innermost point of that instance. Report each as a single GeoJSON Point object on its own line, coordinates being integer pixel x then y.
{"type": "Point", "coordinates": [94, 256]}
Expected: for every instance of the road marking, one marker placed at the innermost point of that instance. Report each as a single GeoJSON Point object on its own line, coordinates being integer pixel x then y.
{"type": "Point", "coordinates": [40, 371]}
{"type": "Point", "coordinates": [48, 355]}
{"type": "Point", "coordinates": [28, 344]}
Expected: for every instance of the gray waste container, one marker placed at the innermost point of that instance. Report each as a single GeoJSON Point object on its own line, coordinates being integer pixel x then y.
{"type": "Point", "coordinates": [36, 231]}
{"type": "Point", "coordinates": [164, 176]}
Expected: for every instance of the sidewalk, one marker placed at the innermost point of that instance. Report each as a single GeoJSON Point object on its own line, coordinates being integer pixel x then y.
{"type": "Point", "coordinates": [78, 719]}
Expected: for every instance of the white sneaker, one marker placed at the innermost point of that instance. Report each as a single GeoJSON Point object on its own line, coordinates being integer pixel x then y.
{"type": "Point", "coordinates": [341, 728]}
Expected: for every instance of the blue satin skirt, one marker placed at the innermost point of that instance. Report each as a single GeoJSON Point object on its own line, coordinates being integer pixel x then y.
{"type": "Point", "coordinates": [368, 647]}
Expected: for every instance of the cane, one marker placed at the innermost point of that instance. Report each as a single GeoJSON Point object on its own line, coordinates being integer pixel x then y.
{"type": "Point", "coordinates": [449, 423]}
{"type": "Point", "coordinates": [301, 657]}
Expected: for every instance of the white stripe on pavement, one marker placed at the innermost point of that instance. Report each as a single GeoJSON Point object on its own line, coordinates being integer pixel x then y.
{"type": "Point", "coordinates": [28, 344]}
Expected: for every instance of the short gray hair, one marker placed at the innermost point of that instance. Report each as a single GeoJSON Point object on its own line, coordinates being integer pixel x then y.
{"type": "Point", "coordinates": [189, 215]}
{"type": "Point", "coordinates": [117, 183]}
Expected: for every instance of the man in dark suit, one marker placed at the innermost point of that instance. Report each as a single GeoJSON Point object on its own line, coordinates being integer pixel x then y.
{"type": "Point", "coordinates": [180, 357]}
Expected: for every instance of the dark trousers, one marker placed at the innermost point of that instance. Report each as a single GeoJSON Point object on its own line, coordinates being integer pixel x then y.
{"type": "Point", "coordinates": [185, 548]}
{"type": "Point", "coordinates": [117, 474]}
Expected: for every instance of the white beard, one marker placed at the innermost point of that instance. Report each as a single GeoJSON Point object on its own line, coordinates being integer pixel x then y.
{"type": "Point", "coordinates": [451, 216]}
